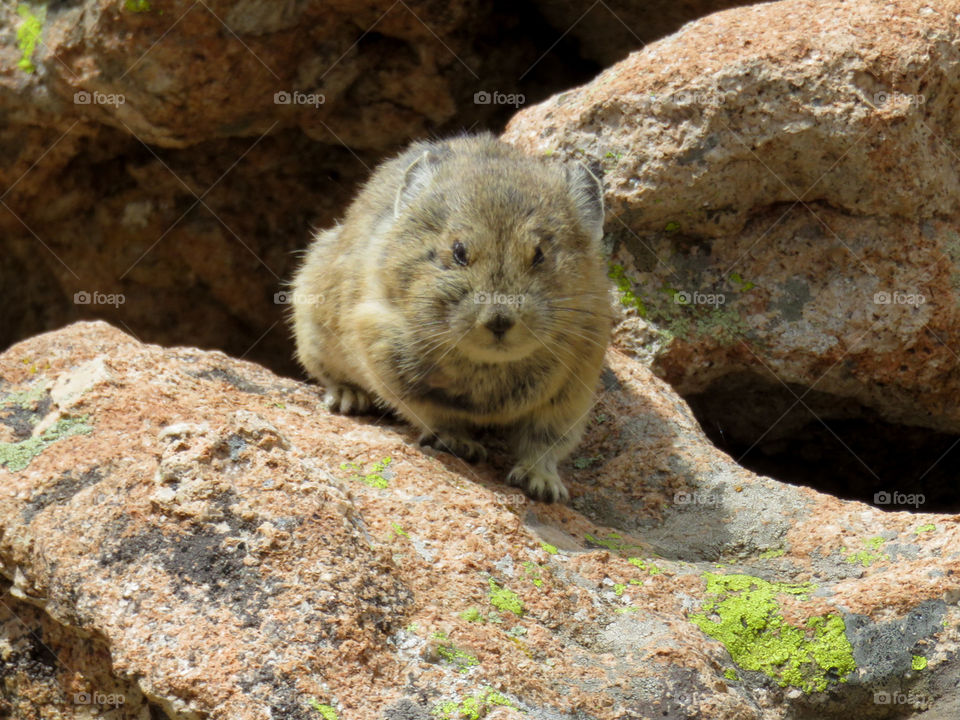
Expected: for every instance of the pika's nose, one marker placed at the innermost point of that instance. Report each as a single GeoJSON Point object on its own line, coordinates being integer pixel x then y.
{"type": "Point", "coordinates": [499, 324]}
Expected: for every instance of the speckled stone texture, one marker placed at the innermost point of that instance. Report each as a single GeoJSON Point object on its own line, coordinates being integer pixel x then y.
{"type": "Point", "coordinates": [241, 553]}
{"type": "Point", "coordinates": [783, 199]}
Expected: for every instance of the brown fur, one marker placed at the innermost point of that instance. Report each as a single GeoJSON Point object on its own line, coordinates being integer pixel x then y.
{"type": "Point", "coordinates": [384, 313]}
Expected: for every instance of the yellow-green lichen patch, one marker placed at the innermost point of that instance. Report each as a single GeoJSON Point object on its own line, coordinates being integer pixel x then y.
{"type": "Point", "coordinates": [548, 548]}
{"type": "Point", "coordinates": [770, 554]}
{"type": "Point", "coordinates": [25, 399]}
{"type": "Point", "coordinates": [644, 565]}
{"type": "Point", "coordinates": [919, 662]}
{"type": "Point", "coordinates": [505, 600]}
{"type": "Point", "coordinates": [472, 708]}
{"type": "Point", "coordinates": [377, 478]}
{"type": "Point", "coordinates": [532, 571]}
{"type": "Point", "coordinates": [28, 35]}
{"type": "Point", "coordinates": [16, 456]}
{"type": "Point", "coordinates": [399, 531]}
{"type": "Point", "coordinates": [867, 557]}
{"type": "Point", "coordinates": [472, 615]}
{"type": "Point", "coordinates": [743, 613]}
{"type": "Point", "coordinates": [618, 274]}
{"type": "Point", "coordinates": [613, 542]}
{"type": "Point", "coordinates": [454, 655]}
{"type": "Point", "coordinates": [925, 528]}
{"type": "Point", "coordinates": [731, 674]}
{"type": "Point", "coordinates": [327, 712]}
{"type": "Point", "coordinates": [138, 6]}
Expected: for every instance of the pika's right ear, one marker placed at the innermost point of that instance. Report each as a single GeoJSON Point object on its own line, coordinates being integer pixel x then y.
{"type": "Point", "coordinates": [416, 178]}
{"type": "Point", "coordinates": [586, 189]}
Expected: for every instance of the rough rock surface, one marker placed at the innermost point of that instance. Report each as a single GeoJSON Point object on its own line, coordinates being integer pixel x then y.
{"type": "Point", "coordinates": [241, 553]}
{"type": "Point", "coordinates": [784, 202]}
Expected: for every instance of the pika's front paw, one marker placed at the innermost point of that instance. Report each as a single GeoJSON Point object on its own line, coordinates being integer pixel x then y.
{"type": "Point", "coordinates": [465, 448]}
{"type": "Point", "coordinates": [347, 400]}
{"type": "Point", "coordinates": [540, 482]}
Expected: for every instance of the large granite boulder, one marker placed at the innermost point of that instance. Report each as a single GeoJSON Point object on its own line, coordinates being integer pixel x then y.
{"type": "Point", "coordinates": [187, 535]}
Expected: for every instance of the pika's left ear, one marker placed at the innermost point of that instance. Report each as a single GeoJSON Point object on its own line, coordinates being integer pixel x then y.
{"type": "Point", "coordinates": [586, 189]}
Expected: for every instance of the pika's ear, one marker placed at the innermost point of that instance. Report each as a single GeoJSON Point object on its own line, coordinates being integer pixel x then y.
{"type": "Point", "coordinates": [586, 189]}
{"type": "Point", "coordinates": [416, 178]}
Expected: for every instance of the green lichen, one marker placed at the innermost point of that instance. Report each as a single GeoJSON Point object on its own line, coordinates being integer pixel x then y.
{"type": "Point", "coordinates": [461, 658]}
{"type": "Point", "coordinates": [742, 285]}
{"type": "Point", "coordinates": [744, 614]}
{"type": "Point", "coordinates": [927, 527]}
{"type": "Point", "coordinates": [138, 6]}
{"type": "Point", "coordinates": [505, 600]}
{"type": "Point", "coordinates": [399, 530]}
{"type": "Point", "coordinates": [375, 479]}
{"type": "Point", "coordinates": [327, 712]}
{"type": "Point", "coordinates": [643, 565]}
{"type": "Point", "coordinates": [671, 227]}
{"type": "Point", "coordinates": [548, 548]}
{"type": "Point", "coordinates": [618, 274]}
{"type": "Point", "coordinates": [28, 35]}
{"type": "Point", "coordinates": [582, 463]}
{"type": "Point", "coordinates": [16, 456]}
{"type": "Point", "coordinates": [532, 571]}
{"type": "Point", "coordinates": [472, 708]}
{"type": "Point", "coordinates": [919, 662]}
{"type": "Point", "coordinates": [770, 554]}
{"type": "Point", "coordinates": [25, 399]}
{"type": "Point", "coordinates": [731, 674]}
{"type": "Point", "coordinates": [613, 542]}
{"type": "Point", "coordinates": [472, 615]}
{"type": "Point", "coordinates": [867, 557]}
{"type": "Point", "coordinates": [618, 589]}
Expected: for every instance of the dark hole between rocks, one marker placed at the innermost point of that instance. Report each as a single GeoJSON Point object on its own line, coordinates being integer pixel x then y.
{"type": "Point", "coordinates": [830, 443]}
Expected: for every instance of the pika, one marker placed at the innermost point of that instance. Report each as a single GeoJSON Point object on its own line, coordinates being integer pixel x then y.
{"type": "Point", "coordinates": [466, 290]}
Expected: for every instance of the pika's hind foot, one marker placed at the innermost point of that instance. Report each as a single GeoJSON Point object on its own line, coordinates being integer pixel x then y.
{"type": "Point", "coordinates": [347, 400]}
{"type": "Point", "coordinates": [462, 447]}
{"type": "Point", "coordinates": [540, 481]}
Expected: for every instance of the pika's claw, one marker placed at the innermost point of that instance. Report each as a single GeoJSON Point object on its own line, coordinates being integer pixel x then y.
{"type": "Point", "coordinates": [540, 482]}
{"type": "Point", "coordinates": [465, 448]}
{"type": "Point", "coordinates": [347, 400]}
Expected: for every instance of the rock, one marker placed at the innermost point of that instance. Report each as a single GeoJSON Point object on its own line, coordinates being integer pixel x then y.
{"type": "Point", "coordinates": [238, 552]}
{"type": "Point", "coordinates": [783, 198]}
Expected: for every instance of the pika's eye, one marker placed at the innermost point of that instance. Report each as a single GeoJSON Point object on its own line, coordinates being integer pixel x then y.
{"type": "Point", "coordinates": [537, 256]}
{"type": "Point", "coordinates": [460, 253]}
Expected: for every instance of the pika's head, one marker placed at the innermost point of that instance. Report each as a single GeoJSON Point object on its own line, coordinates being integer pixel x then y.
{"type": "Point", "coordinates": [495, 254]}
